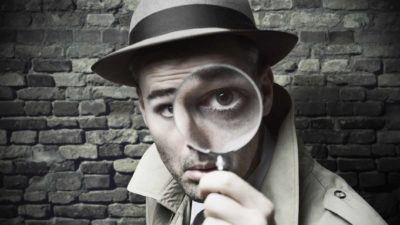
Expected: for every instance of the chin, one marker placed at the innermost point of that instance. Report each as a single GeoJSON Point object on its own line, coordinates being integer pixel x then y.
{"type": "Point", "coordinates": [191, 189]}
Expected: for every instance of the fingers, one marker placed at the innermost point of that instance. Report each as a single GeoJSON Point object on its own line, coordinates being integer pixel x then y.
{"type": "Point", "coordinates": [221, 207]}
{"type": "Point", "coordinates": [214, 221]}
{"type": "Point", "coordinates": [231, 185]}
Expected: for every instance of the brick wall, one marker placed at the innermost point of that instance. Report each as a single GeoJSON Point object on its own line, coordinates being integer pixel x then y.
{"type": "Point", "coordinates": [69, 140]}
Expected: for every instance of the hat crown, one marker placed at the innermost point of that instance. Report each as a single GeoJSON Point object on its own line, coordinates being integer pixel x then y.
{"type": "Point", "coordinates": [148, 7]}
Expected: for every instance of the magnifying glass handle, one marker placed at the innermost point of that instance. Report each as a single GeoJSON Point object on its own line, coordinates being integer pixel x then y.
{"type": "Point", "coordinates": [220, 163]}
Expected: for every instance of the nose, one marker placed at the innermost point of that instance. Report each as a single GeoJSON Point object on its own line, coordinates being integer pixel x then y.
{"type": "Point", "coordinates": [205, 151]}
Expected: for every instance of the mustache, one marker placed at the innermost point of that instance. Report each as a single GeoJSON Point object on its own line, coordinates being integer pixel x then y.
{"type": "Point", "coordinates": [204, 158]}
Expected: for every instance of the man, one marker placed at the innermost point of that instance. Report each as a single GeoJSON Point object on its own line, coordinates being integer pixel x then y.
{"type": "Point", "coordinates": [271, 180]}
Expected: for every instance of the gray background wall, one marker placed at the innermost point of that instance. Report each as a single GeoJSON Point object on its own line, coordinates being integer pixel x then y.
{"type": "Point", "coordinates": [70, 141]}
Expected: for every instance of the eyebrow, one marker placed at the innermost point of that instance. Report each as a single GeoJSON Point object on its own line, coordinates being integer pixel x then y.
{"type": "Point", "coordinates": [161, 93]}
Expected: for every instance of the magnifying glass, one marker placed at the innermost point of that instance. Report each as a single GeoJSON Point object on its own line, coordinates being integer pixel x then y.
{"type": "Point", "coordinates": [217, 109]}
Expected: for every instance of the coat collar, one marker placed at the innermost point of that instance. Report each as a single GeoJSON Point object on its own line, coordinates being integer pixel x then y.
{"type": "Point", "coordinates": [281, 186]}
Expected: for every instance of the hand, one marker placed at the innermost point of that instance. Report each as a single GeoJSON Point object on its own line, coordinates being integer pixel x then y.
{"type": "Point", "coordinates": [229, 200]}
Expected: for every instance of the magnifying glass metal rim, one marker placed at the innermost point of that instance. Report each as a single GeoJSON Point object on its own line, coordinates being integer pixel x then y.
{"type": "Point", "coordinates": [253, 84]}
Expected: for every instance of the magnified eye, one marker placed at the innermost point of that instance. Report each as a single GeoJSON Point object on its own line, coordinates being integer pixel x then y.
{"type": "Point", "coordinates": [166, 111]}
{"type": "Point", "coordinates": [222, 100]}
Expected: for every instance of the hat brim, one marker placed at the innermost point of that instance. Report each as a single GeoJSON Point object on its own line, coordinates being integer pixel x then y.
{"type": "Point", "coordinates": [115, 67]}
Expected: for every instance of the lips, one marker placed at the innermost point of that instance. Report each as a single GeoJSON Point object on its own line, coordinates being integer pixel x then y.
{"type": "Point", "coordinates": [196, 172]}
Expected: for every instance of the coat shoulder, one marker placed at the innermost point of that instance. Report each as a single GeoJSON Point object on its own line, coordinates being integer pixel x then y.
{"type": "Point", "coordinates": [338, 200]}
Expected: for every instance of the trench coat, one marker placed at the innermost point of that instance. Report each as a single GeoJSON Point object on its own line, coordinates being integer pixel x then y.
{"type": "Point", "coordinates": [303, 192]}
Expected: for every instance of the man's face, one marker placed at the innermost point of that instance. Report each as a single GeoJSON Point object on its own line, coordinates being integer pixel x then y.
{"type": "Point", "coordinates": [158, 82]}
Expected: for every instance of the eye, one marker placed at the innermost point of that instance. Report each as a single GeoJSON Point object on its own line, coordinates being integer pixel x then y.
{"type": "Point", "coordinates": [222, 100]}
{"type": "Point", "coordinates": [166, 111]}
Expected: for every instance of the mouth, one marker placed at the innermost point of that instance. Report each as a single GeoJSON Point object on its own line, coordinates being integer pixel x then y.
{"type": "Point", "coordinates": [196, 172]}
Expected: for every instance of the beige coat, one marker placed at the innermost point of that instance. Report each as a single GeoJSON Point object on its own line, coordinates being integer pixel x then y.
{"type": "Point", "coordinates": [302, 191]}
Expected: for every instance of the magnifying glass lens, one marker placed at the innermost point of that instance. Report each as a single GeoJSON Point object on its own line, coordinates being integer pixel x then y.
{"type": "Point", "coordinates": [218, 109]}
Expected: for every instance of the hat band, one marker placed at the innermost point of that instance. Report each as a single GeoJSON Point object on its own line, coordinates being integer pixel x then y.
{"type": "Point", "coordinates": [189, 17]}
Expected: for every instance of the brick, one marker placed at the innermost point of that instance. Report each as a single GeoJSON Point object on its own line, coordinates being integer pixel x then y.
{"type": "Point", "coordinates": [321, 123]}
{"type": "Point", "coordinates": [122, 180]}
{"type": "Point", "coordinates": [350, 150]}
{"type": "Point", "coordinates": [79, 151]}
{"type": "Point", "coordinates": [15, 151]}
{"type": "Point", "coordinates": [112, 136]}
{"type": "Point", "coordinates": [35, 211]}
{"type": "Point", "coordinates": [68, 181]}
{"type": "Point", "coordinates": [350, 177]}
{"type": "Point", "coordinates": [318, 151]}
{"type": "Point", "coordinates": [323, 136]}
{"type": "Point", "coordinates": [12, 79]}
{"type": "Point", "coordinates": [115, 92]}
{"type": "Point", "coordinates": [63, 166]}
{"type": "Point", "coordinates": [21, 5]}
{"type": "Point", "coordinates": [285, 66]}
{"type": "Point", "coordinates": [61, 137]}
{"type": "Point", "coordinates": [362, 136]}
{"type": "Point", "coordinates": [116, 120]}
{"type": "Point", "coordinates": [367, 65]}
{"type": "Point", "coordinates": [356, 20]}
{"type": "Point", "coordinates": [388, 164]}
{"type": "Point", "coordinates": [13, 196]}
{"type": "Point", "coordinates": [87, 36]}
{"type": "Point", "coordinates": [125, 165]}
{"type": "Point", "coordinates": [88, 51]}
{"type": "Point", "coordinates": [341, 37]}
{"type": "Point", "coordinates": [60, 123]}
{"type": "Point", "coordinates": [102, 167]}
{"type": "Point", "coordinates": [8, 211]}
{"type": "Point", "coordinates": [372, 179]}
{"type": "Point", "coordinates": [69, 79]}
{"type": "Point", "coordinates": [13, 65]}
{"type": "Point", "coordinates": [389, 137]}
{"type": "Point", "coordinates": [394, 178]}
{"type": "Point", "coordinates": [31, 51]}
{"type": "Point", "coordinates": [316, 20]}
{"type": "Point", "coordinates": [93, 123]}
{"type": "Point", "coordinates": [382, 51]}
{"type": "Point", "coordinates": [361, 123]}
{"type": "Point", "coordinates": [11, 108]}
{"type": "Point", "coordinates": [23, 137]}
{"type": "Point", "coordinates": [58, 36]}
{"type": "Point", "coordinates": [356, 79]}
{"type": "Point", "coordinates": [35, 196]}
{"type": "Point", "coordinates": [389, 80]}
{"type": "Point", "coordinates": [352, 94]}
{"type": "Point", "coordinates": [377, 37]}
{"type": "Point", "coordinates": [347, 164]}
{"type": "Point", "coordinates": [392, 65]}
{"type": "Point", "coordinates": [300, 50]}
{"type": "Point", "coordinates": [337, 50]}
{"type": "Point", "coordinates": [27, 167]}
{"type": "Point", "coordinates": [22, 124]}
{"type": "Point", "coordinates": [335, 66]}
{"type": "Point", "coordinates": [309, 65]}
{"type": "Point", "coordinates": [15, 182]}
{"type": "Point", "coordinates": [116, 195]}
{"type": "Point", "coordinates": [63, 197]}
{"type": "Point", "coordinates": [7, 50]}
{"type": "Point", "coordinates": [37, 108]}
{"type": "Point", "coordinates": [97, 181]}
{"type": "Point", "coordinates": [94, 107]}
{"type": "Point", "coordinates": [40, 81]}
{"type": "Point", "coordinates": [102, 20]}
{"type": "Point", "coordinates": [278, 4]}
{"type": "Point", "coordinates": [386, 20]}
{"type": "Point", "coordinates": [138, 122]}
{"type": "Point", "coordinates": [145, 137]}
{"type": "Point", "coordinates": [110, 150]}
{"type": "Point", "coordinates": [126, 210]}
{"type": "Point", "coordinates": [131, 5]}
{"type": "Point", "coordinates": [393, 124]}
{"type": "Point", "coordinates": [73, 93]}
{"type": "Point", "coordinates": [307, 3]}
{"type": "Point", "coordinates": [16, 20]}
{"type": "Point", "coordinates": [7, 93]}
{"type": "Point", "coordinates": [81, 211]}
{"type": "Point", "coordinates": [9, 36]}
{"type": "Point", "coordinates": [315, 94]}
{"type": "Point", "coordinates": [41, 93]}
{"type": "Point", "coordinates": [135, 151]}
{"type": "Point", "coordinates": [127, 221]}
{"type": "Point", "coordinates": [309, 80]}
{"type": "Point", "coordinates": [368, 108]}
{"type": "Point", "coordinates": [6, 167]}
{"type": "Point", "coordinates": [83, 65]}
{"type": "Point", "coordinates": [383, 150]}
{"type": "Point", "coordinates": [65, 108]}
{"type": "Point", "coordinates": [62, 5]}
{"type": "Point", "coordinates": [3, 137]}
{"type": "Point", "coordinates": [52, 65]}
{"type": "Point", "coordinates": [343, 4]}
{"type": "Point", "coordinates": [104, 222]}
{"type": "Point", "coordinates": [115, 36]}
{"type": "Point", "coordinates": [58, 20]}
{"type": "Point", "coordinates": [65, 221]}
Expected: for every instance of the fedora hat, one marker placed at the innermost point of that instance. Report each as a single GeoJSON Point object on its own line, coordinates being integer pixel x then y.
{"type": "Point", "coordinates": [156, 22]}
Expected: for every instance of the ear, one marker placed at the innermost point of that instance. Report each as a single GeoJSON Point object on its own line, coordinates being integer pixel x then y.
{"type": "Point", "coordinates": [267, 81]}
{"type": "Point", "coordinates": [141, 105]}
